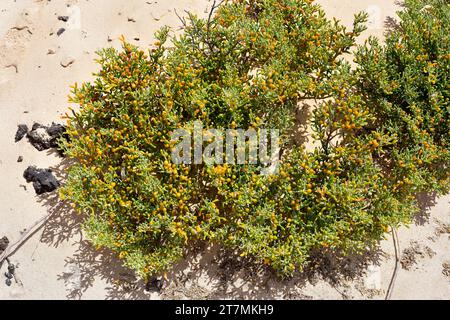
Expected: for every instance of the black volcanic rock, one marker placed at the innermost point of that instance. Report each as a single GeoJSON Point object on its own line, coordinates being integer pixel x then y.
{"type": "Point", "coordinates": [56, 130]}
{"type": "Point", "coordinates": [63, 18]}
{"type": "Point", "coordinates": [4, 242]}
{"type": "Point", "coordinates": [22, 130]}
{"type": "Point", "coordinates": [12, 269]}
{"type": "Point", "coordinates": [39, 137]}
{"type": "Point", "coordinates": [60, 31]}
{"type": "Point", "coordinates": [43, 179]}
{"type": "Point", "coordinates": [43, 138]}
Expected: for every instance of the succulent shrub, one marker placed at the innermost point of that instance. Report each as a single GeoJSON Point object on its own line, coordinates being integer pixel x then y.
{"type": "Point", "coordinates": [250, 64]}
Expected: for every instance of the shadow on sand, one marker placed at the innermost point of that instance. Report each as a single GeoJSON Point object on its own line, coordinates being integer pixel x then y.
{"type": "Point", "coordinates": [205, 272]}
{"type": "Point", "coordinates": [87, 264]}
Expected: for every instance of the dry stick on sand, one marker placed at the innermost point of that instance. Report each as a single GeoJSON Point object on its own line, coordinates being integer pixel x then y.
{"type": "Point", "coordinates": [22, 28]}
{"type": "Point", "coordinates": [10, 250]}
{"type": "Point", "coordinates": [397, 259]}
{"type": "Point", "coordinates": [13, 65]}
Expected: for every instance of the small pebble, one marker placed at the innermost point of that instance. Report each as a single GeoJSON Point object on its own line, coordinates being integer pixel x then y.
{"type": "Point", "coordinates": [20, 159]}
{"type": "Point", "coordinates": [11, 269]}
{"type": "Point", "coordinates": [4, 242]}
{"type": "Point", "coordinates": [60, 31]}
{"type": "Point", "coordinates": [67, 62]}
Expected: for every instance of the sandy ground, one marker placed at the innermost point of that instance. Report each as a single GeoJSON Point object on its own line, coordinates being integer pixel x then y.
{"type": "Point", "coordinates": [58, 263]}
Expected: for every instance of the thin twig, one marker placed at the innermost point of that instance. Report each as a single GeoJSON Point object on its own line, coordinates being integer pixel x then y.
{"type": "Point", "coordinates": [214, 6]}
{"type": "Point", "coordinates": [22, 28]}
{"type": "Point", "coordinates": [394, 274]}
{"type": "Point", "coordinates": [10, 250]}
{"type": "Point", "coordinates": [13, 65]}
{"type": "Point", "coordinates": [182, 19]}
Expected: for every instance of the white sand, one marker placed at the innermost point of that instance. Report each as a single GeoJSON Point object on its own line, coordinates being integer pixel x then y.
{"type": "Point", "coordinates": [57, 263]}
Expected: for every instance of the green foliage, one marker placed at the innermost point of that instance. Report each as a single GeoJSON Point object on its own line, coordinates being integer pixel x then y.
{"type": "Point", "coordinates": [249, 66]}
{"type": "Point", "coordinates": [407, 84]}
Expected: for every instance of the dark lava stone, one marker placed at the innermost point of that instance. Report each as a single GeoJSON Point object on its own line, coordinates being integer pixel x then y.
{"type": "Point", "coordinates": [43, 179]}
{"type": "Point", "coordinates": [22, 130]}
{"type": "Point", "coordinates": [60, 31]}
{"type": "Point", "coordinates": [4, 242]}
{"type": "Point", "coordinates": [37, 126]}
{"type": "Point", "coordinates": [54, 132]}
{"type": "Point", "coordinates": [63, 18]}
{"type": "Point", "coordinates": [39, 142]}
{"type": "Point", "coordinates": [11, 269]}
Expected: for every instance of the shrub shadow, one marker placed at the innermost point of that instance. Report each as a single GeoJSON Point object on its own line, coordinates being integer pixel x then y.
{"type": "Point", "coordinates": [301, 129]}
{"type": "Point", "coordinates": [87, 264]}
{"type": "Point", "coordinates": [302, 132]}
{"type": "Point", "coordinates": [213, 272]}
{"type": "Point", "coordinates": [392, 24]}
{"type": "Point", "coordinates": [63, 223]}
{"type": "Point", "coordinates": [206, 272]}
{"type": "Point", "coordinates": [425, 202]}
